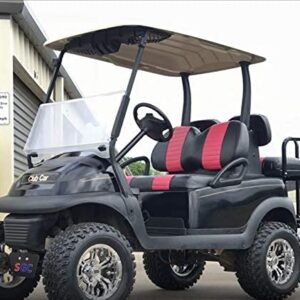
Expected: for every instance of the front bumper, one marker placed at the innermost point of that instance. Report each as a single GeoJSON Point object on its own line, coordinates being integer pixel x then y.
{"type": "Point", "coordinates": [28, 231]}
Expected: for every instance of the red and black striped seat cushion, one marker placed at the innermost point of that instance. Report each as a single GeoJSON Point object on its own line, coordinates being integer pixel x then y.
{"type": "Point", "coordinates": [170, 182]}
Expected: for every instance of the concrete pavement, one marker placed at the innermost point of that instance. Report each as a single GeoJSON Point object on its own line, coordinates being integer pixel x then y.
{"type": "Point", "coordinates": [214, 285]}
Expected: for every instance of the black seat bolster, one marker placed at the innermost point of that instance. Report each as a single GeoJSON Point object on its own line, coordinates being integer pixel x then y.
{"type": "Point", "coordinates": [272, 167]}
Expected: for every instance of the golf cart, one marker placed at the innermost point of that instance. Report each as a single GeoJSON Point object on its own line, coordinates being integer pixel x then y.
{"type": "Point", "coordinates": [75, 218]}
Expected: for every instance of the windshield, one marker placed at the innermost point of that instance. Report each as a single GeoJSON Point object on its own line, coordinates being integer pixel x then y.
{"type": "Point", "coordinates": [74, 125]}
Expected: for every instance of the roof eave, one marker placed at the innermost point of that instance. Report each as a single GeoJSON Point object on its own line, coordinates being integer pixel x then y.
{"type": "Point", "coordinates": [11, 7]}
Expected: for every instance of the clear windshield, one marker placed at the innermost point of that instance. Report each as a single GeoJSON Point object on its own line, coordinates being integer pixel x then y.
{"type": "Point", "coordinates": [74, 125]}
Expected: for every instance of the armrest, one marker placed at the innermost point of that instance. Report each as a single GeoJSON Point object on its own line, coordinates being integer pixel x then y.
{"type": "Point", "coordinates": [130, 161]}
{"type": "Point", "coordinates": [220, 181]}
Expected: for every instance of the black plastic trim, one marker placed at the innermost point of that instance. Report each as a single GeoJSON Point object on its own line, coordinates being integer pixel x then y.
{"type": "Point", "coordinates": [28, 231]}
{"type": "Point", "coordinates": [208, 241]}
{"type": "Point", "coordinates": [220, 180]}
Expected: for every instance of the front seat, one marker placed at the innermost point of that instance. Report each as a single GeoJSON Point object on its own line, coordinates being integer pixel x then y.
{"type": "Point", "coordinates": [192, 158]}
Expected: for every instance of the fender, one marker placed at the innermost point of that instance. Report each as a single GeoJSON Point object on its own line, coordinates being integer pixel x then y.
{"type": "Point", "coordinates": [36, 205]}
{"type": "Point", "coordinates": [53, 204]}
{"type": "Point", "coordinates": [261, 211]}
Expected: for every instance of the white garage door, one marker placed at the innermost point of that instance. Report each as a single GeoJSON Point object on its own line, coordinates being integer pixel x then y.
{"type": "Point", "coordinates": [25, 108]}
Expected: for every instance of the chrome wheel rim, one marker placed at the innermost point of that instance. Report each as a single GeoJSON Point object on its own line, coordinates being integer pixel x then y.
{"type": "Point", "coordinates": [7, 279]}
{"type": "Point", "coordinates": [280, 261]}
{"type": "Point", "coordinates": [99, 272]}
{"type": "Point", "coordinates": [183, 271]}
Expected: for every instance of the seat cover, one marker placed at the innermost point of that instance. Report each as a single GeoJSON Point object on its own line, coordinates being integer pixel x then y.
{"type": "Point", "coordinates": [169, 156]}
{"type": "Point", "coordinates": [189, 152]}
{"type": "Point", "coordinates": [170, 182]}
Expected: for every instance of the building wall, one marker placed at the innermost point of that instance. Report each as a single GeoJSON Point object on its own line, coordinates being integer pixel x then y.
{"type": "Point", "coordinates": [20, 56]}
{"type": "Point", "coordinates": [27, 59]}
{"type": "Point", "coordinates": [6, 85]}
{"type": "Point", "coordinates": [28, 56]}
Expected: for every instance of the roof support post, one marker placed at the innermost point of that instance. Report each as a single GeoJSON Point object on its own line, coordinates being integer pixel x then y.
{"type": "Point", "coordinates": [58, 63]}
{"type": "Point", "coordinates": [121, 180]}
{"type": "Point", "coordinates": [246, 102]}
{"type": "Point", "coordinates": [187, 102]}
{"type": "Point", "coordinates": [126, 97]}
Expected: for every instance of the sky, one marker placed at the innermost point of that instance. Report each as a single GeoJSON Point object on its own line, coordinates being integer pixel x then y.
{"type": "Point", "coordinates": [269, 29]}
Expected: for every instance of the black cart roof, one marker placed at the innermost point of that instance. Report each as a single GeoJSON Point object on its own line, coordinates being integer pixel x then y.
{"type": "Point", "coordinates": [167, 53]}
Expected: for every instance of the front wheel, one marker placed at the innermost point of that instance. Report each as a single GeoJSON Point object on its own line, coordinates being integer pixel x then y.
{"type": "Point", "coordinates": [89, 261]}
{"type": "Point", "coordinates": [173, 274]}
{"type": "Point", "coordinates": [270, 269]}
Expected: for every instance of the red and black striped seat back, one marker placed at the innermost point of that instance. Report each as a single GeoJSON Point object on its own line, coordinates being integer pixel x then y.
{"type": "Point", "coordinates": [190, 150]}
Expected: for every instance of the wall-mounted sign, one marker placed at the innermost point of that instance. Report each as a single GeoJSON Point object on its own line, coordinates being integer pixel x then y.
{"type": "Point", "coordinates": [4, 108]}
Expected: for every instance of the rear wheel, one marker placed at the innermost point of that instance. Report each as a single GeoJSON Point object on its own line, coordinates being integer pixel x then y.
{"type": "Point", "coordinates": [172, 274]}
{"type": "Point", "coordinates": [270, 269]}
{"type": "Point", "coordinates": [89, 261]}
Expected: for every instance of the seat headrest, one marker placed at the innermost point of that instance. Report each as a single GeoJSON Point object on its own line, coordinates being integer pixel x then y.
{"type": "Point", "coordinates": [261, 128]}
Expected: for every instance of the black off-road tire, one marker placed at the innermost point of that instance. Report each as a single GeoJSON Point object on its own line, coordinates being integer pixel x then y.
{"type": "Point", "coordinates": [60, 262]}
{"type": "Point", "coordinates": [21, 291]}
{"type": "Point", "coordinates": [162, 275]}
{"type": "Point", "coordinates": [251, 264]}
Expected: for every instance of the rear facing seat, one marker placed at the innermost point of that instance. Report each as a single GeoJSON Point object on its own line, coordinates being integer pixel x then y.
{"type": "Point", "coordinates": [272, 167]}
{"type": "Point", "coordinates": [192, 158]}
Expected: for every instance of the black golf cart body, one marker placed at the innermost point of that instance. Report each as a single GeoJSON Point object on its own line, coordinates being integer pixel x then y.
{"type": "Point", "coordinates": [193, 207]}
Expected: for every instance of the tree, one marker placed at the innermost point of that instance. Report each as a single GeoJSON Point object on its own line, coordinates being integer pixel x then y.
{"type": "Point", "coordinates": [138, 168]}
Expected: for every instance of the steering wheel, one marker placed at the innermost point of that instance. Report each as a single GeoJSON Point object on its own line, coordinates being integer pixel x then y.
{"type": "Point", "coordinates": [153, 127]}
